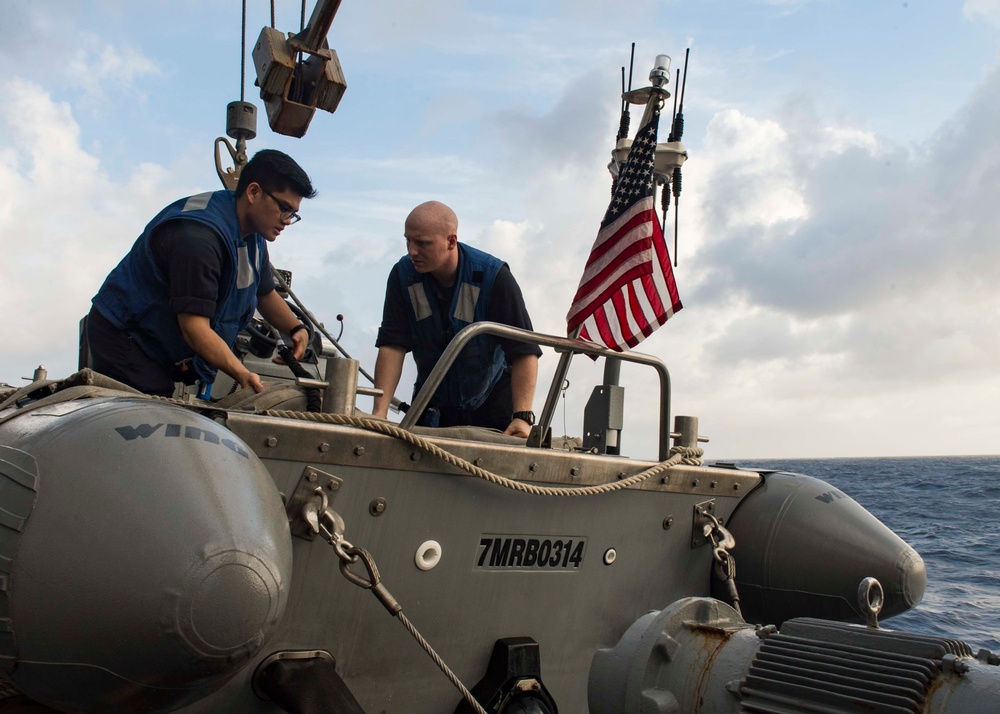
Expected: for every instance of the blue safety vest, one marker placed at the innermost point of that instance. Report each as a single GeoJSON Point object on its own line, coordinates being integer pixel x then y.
{"type": "Point", "coordinates": [480, 365]}
{"type": "Point", "coordinates": [135, 296]}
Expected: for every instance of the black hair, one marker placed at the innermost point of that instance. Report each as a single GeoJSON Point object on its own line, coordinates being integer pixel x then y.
{"type": "Point", "coordinates": [275, 171]}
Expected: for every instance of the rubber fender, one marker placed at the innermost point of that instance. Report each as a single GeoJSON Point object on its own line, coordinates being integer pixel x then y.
{"type": "Point", "coordinates": [803, 547]}
{"type": "Point", "coordinates": [152, 564]}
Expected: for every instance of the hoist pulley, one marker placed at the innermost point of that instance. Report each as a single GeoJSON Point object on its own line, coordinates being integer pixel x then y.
{"type": "Point", "coordinates": [299, 74]}
{"type": "Point", "coordinates": [241, 124]}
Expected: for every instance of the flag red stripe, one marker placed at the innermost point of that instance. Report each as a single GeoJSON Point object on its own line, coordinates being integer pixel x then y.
{"type": "Point", "coordinates": [631, 254]}
{"type": "Point", "coordinates": [637, 312]}
{"type": "Point", "coordinates": [653, 295]}
{"type": "Point", "coordinates": [622, 240]}
{"type": "Point", "coordinates": [603, 329]}
{"type": "Point", "coordinates": [593, 303]}
{"type": "Point", "coordinates": [617, 233]}
{"type": "Point", "coordinates": [609, 277]}
{"type": "Point", "coordinates": [621, 272]}
{"type": "Point", "coordinates": [618, 301]}
{"type": "Point", "coordinates": [668, 273]}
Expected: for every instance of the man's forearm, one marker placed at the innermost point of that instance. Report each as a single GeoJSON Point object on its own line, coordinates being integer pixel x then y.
{"type": "Point", "coordinates": [276, 311]}
{"type": "Point", "coordinates": [388, 370]}
{"type": "Point", "coordinates": [523, 376]}
{"type": "Point", "coordinates": [200, 337]}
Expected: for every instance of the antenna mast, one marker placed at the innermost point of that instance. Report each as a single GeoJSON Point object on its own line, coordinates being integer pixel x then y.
{"type": "Point", "coordinates": [677, 132]}
{"type": "Point", "coordinates": [623, 123]}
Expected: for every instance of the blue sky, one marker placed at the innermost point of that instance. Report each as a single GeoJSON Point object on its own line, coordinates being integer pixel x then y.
{"type": "Point", "coordinates": [838, 260]}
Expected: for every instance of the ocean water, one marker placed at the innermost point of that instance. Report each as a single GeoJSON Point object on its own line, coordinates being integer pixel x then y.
{"type": "Point", "coordinates": [948, 509]}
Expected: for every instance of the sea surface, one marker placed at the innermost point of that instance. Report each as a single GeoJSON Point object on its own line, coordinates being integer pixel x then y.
{"type": "Point", "coordinates": [948, 509]}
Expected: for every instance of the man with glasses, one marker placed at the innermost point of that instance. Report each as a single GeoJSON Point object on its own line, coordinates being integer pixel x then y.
{"type": "Point", "coordinates": [172, 308]}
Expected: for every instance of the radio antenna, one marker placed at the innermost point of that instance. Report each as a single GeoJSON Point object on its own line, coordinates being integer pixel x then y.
{"type": "Point", "coordinates": [624, 122]}
{"type": "Point", "coordinates": [665, 182]}
{"type": "Point", "coordinates": [623, 88]}
{"type": "Point", "coordinates": [631, 64]}
{"type": "Point", "coordinates": [677, 128]}
{"type": "Point", "coordinates": [673, 117]}
{"type": "Point", "coordinates": [687, 54]}
{"type": "Point", "coordinates": [677, 131]}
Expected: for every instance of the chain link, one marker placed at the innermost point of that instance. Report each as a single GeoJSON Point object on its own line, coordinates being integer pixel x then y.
{"type": "Point", "coordinates": [331, 526]}
{"type": "Point", "coordinates": [725, 565]}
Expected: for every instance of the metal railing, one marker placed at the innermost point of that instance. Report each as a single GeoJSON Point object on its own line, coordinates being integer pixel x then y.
{"type": "Point", "coordinates": [565, 346]}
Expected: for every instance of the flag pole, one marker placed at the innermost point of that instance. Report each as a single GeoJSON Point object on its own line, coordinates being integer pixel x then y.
{"type": "Point", "coordinates": [613, 365]}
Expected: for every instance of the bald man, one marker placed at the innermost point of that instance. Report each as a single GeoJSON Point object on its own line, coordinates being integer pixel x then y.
{"type": "Point", "coordinates": [434, 291]}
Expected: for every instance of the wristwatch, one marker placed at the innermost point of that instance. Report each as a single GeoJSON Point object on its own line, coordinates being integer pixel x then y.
{"type": "Point", "coordinates": [526, 416]}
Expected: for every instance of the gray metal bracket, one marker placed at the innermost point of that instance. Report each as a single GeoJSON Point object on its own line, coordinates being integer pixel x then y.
{"type": "Point", "coordinates": [539, 438]}
{"type": "Point", "coordinates": [699, 521]}
{"type": "Point", "coordinates": [305, 492]}
{"type": "Point", "coordinates": [603, 418]}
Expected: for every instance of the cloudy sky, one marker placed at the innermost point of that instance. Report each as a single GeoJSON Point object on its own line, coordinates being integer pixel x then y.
{"type": "Point", "coordinates": [838, 253]}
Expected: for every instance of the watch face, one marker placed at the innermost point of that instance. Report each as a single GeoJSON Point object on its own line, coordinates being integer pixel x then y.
{"type": "Point", "coordinates": [526, 416]}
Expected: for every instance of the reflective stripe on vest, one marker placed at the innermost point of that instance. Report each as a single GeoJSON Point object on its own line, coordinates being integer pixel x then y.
{"type": "Point", "coordinates": [135, 295]}
{"type": "Point", "coordinates": [418, 299]}
{"type": "Point", "coordinates": [245, 273]}
{"type": "Point", "coordinates": [479, 366]}
{"type": "Point", "coordinates": [198, 202]}
{"type": "Point", "coordinates": [465, 306]}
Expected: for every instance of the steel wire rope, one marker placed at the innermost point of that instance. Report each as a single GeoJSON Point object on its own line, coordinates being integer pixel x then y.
{"type": "Point", "coordinates": [243, 51]}
{"type": "Point", "coordinates": [452, 677]}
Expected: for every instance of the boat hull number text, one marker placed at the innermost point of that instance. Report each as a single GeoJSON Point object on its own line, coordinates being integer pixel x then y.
{"type": "Point", "coordinates": [509, 552]}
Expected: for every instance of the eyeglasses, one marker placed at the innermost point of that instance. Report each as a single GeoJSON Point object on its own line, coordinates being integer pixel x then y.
{"type": "Point", "coordinates": [288, 213]}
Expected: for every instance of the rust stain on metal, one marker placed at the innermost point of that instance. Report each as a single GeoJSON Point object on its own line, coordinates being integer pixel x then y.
{"type": "Point", "coordinates": [941, 682]}
{"type": "Point", "coordinates": [711, 642]}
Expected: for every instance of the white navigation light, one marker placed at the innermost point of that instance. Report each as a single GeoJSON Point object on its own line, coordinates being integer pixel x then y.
{"type": "Point", "coordinates": [660, 74]}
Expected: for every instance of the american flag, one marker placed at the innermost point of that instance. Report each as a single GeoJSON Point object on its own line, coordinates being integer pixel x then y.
{"type": "Point", "coordinates": [627, 289]}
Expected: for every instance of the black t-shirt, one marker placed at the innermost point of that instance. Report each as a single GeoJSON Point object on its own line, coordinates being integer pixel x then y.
{"type": "Point", "coordinates": [506, 307]}
{"type": "Point", "coordinates": [191, 256]}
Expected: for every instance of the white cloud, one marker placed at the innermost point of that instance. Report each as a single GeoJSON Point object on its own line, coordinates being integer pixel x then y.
{"type": "Point", "coordinates": [509, 239]}
{"type": "Point", "coordinates": [987, 10]}
{"type": "Point", "coordinates": [46, 44]}
{"type": "Point", "coordinates": [750, 158]}
{"type": "Point", "coordinates": [97, 67]}
{"type": "Point", "coordinates": [65, 222]}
